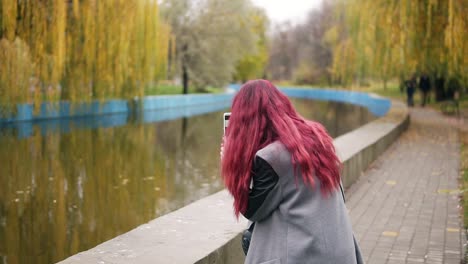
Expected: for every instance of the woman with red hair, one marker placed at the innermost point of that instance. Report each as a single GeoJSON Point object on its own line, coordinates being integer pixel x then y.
{"type": "Point", "coordinates": [284, 175]}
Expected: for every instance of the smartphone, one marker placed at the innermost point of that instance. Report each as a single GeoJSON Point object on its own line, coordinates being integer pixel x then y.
{"type": "Point", "coordinates": [226, 120]}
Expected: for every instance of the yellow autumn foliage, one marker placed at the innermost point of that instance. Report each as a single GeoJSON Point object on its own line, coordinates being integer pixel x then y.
{"type": "Point", "coordinates": [400, 38]}
{"type": "Point", "coordinates": [80, 49]}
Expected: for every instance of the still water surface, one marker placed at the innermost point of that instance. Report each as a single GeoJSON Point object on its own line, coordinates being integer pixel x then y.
{"type": "Point", "coordinates": [61, 193]}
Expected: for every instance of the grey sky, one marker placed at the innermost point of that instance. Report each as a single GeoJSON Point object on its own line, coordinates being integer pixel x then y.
{"type": "Point", "coordinates": [282, 10]}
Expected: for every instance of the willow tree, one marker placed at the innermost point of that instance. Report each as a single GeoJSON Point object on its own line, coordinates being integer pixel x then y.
{"type": "Point", "coordinates": [400, 38]}
{"type": "Point", "coordinates": [80, 49]}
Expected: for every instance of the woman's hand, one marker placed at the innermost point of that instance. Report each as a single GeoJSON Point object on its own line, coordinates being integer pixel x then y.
{"type": "Point", "coordinates": [221, 150]}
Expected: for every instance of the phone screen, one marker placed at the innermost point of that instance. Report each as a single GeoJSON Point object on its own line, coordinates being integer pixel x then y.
{"type": "Point", "coordinates": [226, 120]}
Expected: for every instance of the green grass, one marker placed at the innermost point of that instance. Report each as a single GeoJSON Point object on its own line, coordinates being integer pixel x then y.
{"type": "Point", "coordinates": [392, 91]}
{"type": "Point", "coordinates": [317, 85]}
{"type": "Point", "coordinates": [168, 89]}
{"type": "Point", "coordinates": [292, 84]}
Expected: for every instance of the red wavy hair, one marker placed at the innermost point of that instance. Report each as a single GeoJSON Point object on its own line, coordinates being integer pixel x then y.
{"type": "Point", "coordinates": [260, 115]}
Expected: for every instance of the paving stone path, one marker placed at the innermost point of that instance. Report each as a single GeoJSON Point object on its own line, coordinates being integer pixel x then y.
{"type": "Point", "coordinates": [405, 207]}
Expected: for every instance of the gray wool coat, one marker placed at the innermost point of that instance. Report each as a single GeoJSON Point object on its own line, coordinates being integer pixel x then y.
{"type": "Point", "coordinates": [296, 224]}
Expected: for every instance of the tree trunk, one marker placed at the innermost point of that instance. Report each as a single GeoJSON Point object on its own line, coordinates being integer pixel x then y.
{"type": "Point", "coordinates": [185, 75]}
{"type": "Point", "coordinates": [329, 80]}
{"type": "Point", "coordinates": [439, 86]}
{"type": "Point", "coordinates": [185, 78]}
{"type": "Point", "coordinates": [402, 83]}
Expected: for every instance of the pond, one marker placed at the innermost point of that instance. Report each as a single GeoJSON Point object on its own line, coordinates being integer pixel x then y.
{"type": "Point", "coordinates": [62, 192]}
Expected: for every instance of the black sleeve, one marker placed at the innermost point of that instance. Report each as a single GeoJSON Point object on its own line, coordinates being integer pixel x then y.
{"type": "Point", "coordinates": [265, 180]}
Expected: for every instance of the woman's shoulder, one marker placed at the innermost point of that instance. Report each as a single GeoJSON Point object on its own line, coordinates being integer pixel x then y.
{"type": "Point", "coordinates": [276, 154]}
{"type": "Point", "coordinates": [274, 148]}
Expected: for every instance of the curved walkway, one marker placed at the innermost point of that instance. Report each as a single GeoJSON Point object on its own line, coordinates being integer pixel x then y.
{"type": "Point", "coordinates": [405, 208]}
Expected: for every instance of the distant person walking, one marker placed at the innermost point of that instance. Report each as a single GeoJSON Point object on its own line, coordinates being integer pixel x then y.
{"type": "Point", "coordinates": [425, 86]}
{"type": "Point", "coordinates": [410, 86]}
{"type": "Point", "coordinates": [284, 175]}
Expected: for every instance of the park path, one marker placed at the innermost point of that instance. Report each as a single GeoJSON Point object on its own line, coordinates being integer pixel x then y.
{"type": "Point", "coordinates": [405, 207]}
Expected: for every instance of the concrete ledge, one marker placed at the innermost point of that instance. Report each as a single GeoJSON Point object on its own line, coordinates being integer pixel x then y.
{"type": "Point", "coordinates": [375, 104]}
{"type": "Point", "coordinates": [177, 101]}
{"type": "Point", "coordinates": [360, 147]}
{"type": "Point", "coordinates": [61, 116]}
{"type": "Point", "coordinates": [65, 109]}
{"type": "Point", "coordinates": [179, 104]}
{"type": "Point", "coordinates": [202, 232]}
{"type": "Point", "coordinates": [111, 113]}
{"type": "Point", "coordinates": [206, 230]}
